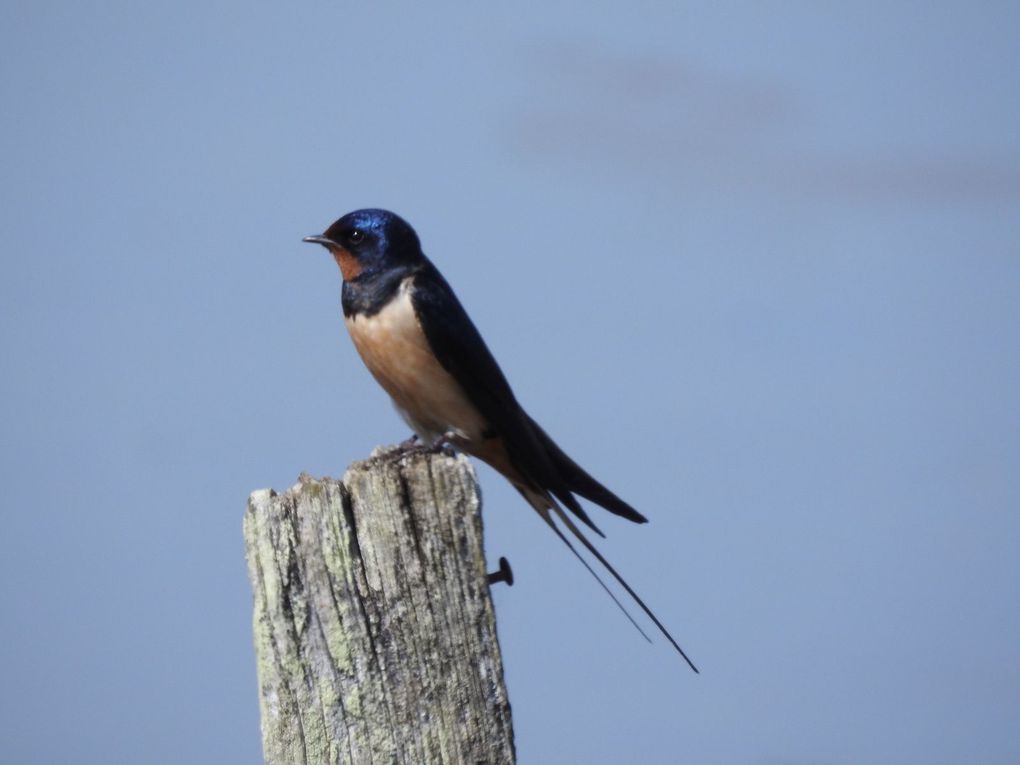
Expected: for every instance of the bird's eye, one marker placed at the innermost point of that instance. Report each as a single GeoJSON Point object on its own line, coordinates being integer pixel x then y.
{"type": "Point", "coordinates": [356, 236]}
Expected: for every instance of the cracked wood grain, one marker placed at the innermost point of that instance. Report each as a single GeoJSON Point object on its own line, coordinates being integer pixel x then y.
{"type": "Point", "coordinates": [375, 636]}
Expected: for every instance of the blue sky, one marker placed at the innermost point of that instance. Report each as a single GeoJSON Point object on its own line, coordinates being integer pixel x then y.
{"type": "Point", "coordinates": [756, 265]}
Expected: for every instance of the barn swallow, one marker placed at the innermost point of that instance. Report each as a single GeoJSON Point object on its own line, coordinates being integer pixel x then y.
{"type": "Point", "coordinates": [423, 349]}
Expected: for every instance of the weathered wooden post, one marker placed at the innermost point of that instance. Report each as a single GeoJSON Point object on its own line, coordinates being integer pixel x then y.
{"type": "Point", "coordinates": [375, 636]}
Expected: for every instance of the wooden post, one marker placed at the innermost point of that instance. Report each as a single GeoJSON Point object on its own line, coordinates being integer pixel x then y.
{"type": "Point", "coordinates": [375, 636]}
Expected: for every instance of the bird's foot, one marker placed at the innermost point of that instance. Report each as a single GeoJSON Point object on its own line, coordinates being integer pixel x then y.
{"type": "Point", "coordinates": [503, 574]}
{"type": "Point", "coordinates": [394, 453]}
{"type": "Point", "coordinates": [444, 444]}
{"type": "Point", "coordinates": [409, 444]}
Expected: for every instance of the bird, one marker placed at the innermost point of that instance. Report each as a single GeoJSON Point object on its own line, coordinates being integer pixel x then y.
{"type": "Point", "coordinates": [421, 346]}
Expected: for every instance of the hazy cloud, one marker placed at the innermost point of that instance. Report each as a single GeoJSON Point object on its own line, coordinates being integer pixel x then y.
{"type": "Point", "coordinates": [673, 121]}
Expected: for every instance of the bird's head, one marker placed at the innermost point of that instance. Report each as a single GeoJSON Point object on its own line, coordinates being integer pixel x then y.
{"type": "Point", "coordinates": [366, 242]}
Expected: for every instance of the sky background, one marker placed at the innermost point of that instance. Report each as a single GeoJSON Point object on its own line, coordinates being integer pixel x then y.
{"type": "Point", "coordinates": [755, 265]}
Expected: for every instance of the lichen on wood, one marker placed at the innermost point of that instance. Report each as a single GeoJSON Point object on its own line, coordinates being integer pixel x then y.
{"type": "Point", "coordinates": [375, 636]}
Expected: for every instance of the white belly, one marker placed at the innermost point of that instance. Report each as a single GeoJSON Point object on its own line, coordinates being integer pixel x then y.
{"type": "Point", "coordinates": [397, 353]}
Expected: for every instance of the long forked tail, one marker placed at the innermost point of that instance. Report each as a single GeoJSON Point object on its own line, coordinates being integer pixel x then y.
{"type": "Point", "coordinates": [577, 480]}
{"type": "Point", "coordinates": [542, 505]}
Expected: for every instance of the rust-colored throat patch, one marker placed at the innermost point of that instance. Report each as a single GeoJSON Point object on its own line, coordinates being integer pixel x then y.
{"type": "Point", "coordinates": [349, 265]}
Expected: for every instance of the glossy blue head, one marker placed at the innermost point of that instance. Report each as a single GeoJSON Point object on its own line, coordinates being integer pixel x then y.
{"type": "Point", "coordinates": [367, 242]}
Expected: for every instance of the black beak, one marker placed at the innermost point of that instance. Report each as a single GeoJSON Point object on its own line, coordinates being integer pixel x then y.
{"type": "Point", "coordinates": [320, 240]}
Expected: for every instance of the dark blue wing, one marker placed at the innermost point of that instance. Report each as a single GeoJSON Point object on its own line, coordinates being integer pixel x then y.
{"type": "Point", "coordinates": [461, 350]}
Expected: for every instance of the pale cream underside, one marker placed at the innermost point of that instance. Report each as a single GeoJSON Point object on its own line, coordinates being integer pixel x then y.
{"type": "Point", "coordinates": [397, 353]}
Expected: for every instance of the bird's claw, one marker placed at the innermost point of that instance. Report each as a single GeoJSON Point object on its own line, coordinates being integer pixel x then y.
{"type": "Point", "coordinates": [444, 444]}
{"type": "Point", "coordinates": [409, 444]}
